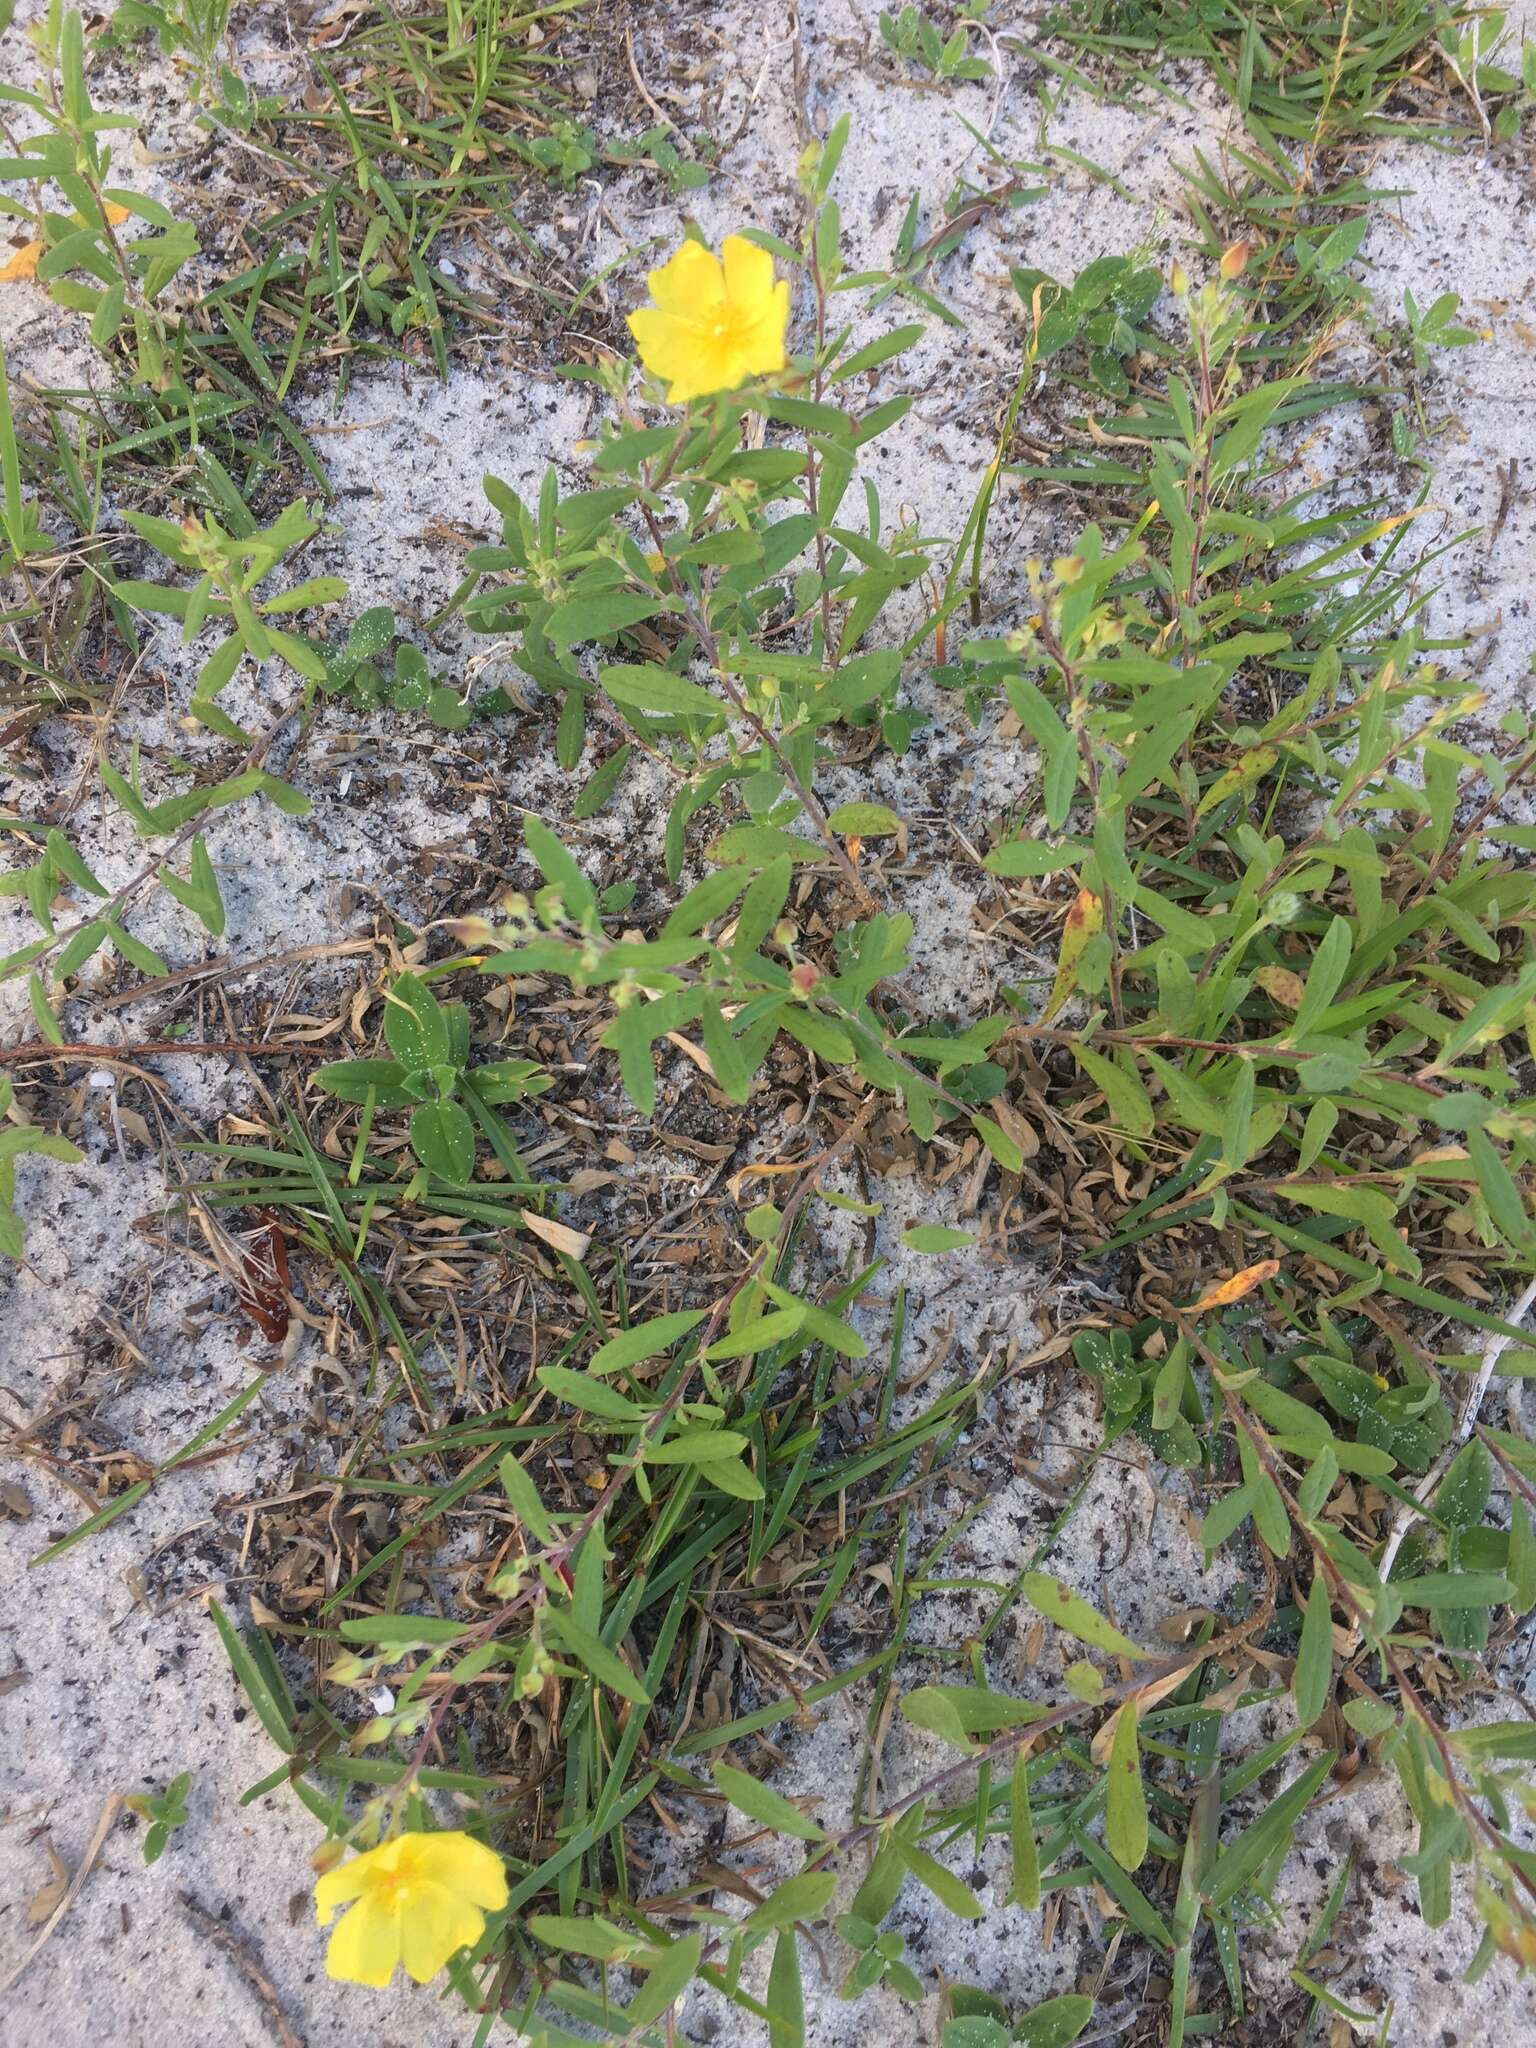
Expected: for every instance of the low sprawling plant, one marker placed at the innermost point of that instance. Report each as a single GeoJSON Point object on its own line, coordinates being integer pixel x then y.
{"type": "Point", "coordinates": [1256, 827]}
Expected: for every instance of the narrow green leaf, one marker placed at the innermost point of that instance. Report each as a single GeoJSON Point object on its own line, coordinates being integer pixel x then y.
{"type": "Point", "coordinates": [935, 1237]}
{"type": "Point", "coordinates": [645, 1340]}
{"type": "Point", "coordinates": [669, 1977]}
{"type": "Point", "coordinates": [1025, 1889]}
{"type": "Point", "coordinates": [785, 1996]}
{"type": "Point", "coordinates": [805, 1897]}
{"type": "Point", "coordinates": [590, 1650]}
{"type": "Point", "coordinates": [1312, 1682]}
{"type": "Point", "coordinates": [526, 1504]}
{"type": "Point", "coordinates": [1258, 1841]}
{"type": "Point", "coordinates": [954, 1896]}
{"type": "Point", "coordinates": [593, 1397]}
{"type": "Point", "coordinates": [1057, 1602]}
{"type": "Point", "coordinates": [762, 1803]}
{"type": "Point", "coordinates": [1125, 1811]}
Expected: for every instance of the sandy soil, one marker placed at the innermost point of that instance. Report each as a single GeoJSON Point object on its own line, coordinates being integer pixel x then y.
{"type": "Point", "coordinates": [112, 1677]}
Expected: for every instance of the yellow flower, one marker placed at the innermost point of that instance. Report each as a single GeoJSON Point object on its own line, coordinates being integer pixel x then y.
{"type": "Point", "coordinates": [716, 320]}
{"type": "Point", "coordinates": [420, 1897]}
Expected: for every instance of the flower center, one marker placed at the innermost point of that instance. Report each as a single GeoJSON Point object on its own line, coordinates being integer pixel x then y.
{"type": "Point", "coordinates": [395, 1886]}
{"type": "Point", "coordinates": [726, 325]}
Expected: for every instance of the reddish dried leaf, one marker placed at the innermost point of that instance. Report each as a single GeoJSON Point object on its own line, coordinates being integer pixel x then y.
{"type": "Point", "coordinates": [264, 1283]}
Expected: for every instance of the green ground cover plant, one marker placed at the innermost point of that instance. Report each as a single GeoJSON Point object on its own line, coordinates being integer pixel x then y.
{"type": "Point", "coordinates": [1260, 828]}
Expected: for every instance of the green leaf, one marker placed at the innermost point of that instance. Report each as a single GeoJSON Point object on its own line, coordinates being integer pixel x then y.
{"type": "Point", "coordinates": [1058, 749]}
{"type": "Point", "coordinates": [600, 785]}
{"type": "Point", "coordinates": [1057, 1602]}
{"type": "Point", "coordinates": [1343, 245]}
{"type": "Point", "coordinates": [669, 1976]}
{"type": "Point", "coordinates": [1017, 858]}
{"type": "Point", "coordinates": [1440, 1590]}
{"type": "Point", "coordinates": [397, 1631]}
{"type": "Point", "coordinates": [761, 1803]}
{"type": "Point", "coordinates": [1125, 1811]}
{"type": "Point", "coordinates": [876, 352]}
{"type": "Point", "coordinates": [415, 1026]}
{"type": "Point", "coordinates": [957, 1712]}
{"type": "Point", "coordinates": [1312, 1683]}
{"type": "Point", "coordinates": [1462, 1500]}
{"type": "Point", "coordinates": [595, 1937]}
{"type": "Point", "coordinates": [785, 1997]}
{"type": "Point", "coordinates": [724, 1051]}
{"type": "Point", "coordinates": [42, 1010]}
{"type": "Point", "coordinates": [526, 1504]}
{"type": "Point", "coordinates": [592, 1397]}
{"type": "Point", "coordinates": [1330, 963]}
{"type": "Point", "coordinates": [76, 951]}
{"type": "Point", "coordinates": [604, 1666]}
{"type": "Point", "coordinates": [954, 1896]}
{"type": "Point", "coordinates": [658, 693]}
{"type": "Point", "coordinates": [768, 1330]}
{"type": "Point", "coordinates": [1056, 2023]}
{"type": "Point", "coordinates": [762, 846]}
{"type": "Point", "coordinates": [1025, 1888]}
{"type": "Point", "coordinates": [734, 1478]}
{"type": "Point", "coordinates": [1129, 1103]}
{"type": "Point", "coordinates": [1005, 1150]}
{"type": "Point", "coordinates": [68, 862]}
{"type": "Point", "coordinates": [128, 1498]}
{"type": "Point", "coordinates": [935, 1237]}
{"type": "Point", "coordinates": [864, 821]}
{"type": "Point", "coordinates": [559, 867]}
{"type": "Point", "coordinates": [974, 2030]}
{"type": "Point", "coordinates": [134, 951]}
{"type": "Point", "coordinates": [355, 1080]}
{"type": "Point", "coordinates": [645, 1340]}
{"type": "Point", "coordinates": [594, 618]}
{"type": "Point", "coordinates": [1522, 1556]}
{"type": "Point", "coordinates": [697, 1447]}
{"type": "Point", "coordinates": [1239, 1862]}
{"type": "Point", "coordinates": [805, 1897]}
{"type": "Point", "coordinates": [250, 1670]}
{"type": "Point", "coordinates": [443, 1139]}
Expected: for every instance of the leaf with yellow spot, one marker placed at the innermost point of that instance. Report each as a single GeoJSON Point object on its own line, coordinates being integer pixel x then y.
{"type": "Point", "coordinates": [1085, 920]}
{"type": "Point", "coordinates": [1227, 1291]}
{"type": "Point", "coordinates": [1253, 765]}
{"type": "Point", "coordinates": [1284, 984]}
{"type": "Point", "coordinates": [24, 263]}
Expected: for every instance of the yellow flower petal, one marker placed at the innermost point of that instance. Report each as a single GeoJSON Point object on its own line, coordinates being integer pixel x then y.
{"type": "Point", "coordinates": [688, 282]}
{"type": "Point", "coordinates": [435, 1924]}
{"type": "Point", "coordinates": [748, 270]}
{"type": "Point", "coordinates": [366, 1945]}
{"type": "Point", "coordinates": [464, 1866]}
{"type": "Point", "coordinates": [666, 341]}
{"type": "Point", "coordinates": [762, 343]}
{"type": "Point", "coordinates": [339, 1886]}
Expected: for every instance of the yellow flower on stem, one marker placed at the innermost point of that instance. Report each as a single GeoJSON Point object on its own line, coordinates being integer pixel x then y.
{"type": "Point", "coordinates": [418, 1899]}
{"type": "Point", "coordinates": [715, 321]}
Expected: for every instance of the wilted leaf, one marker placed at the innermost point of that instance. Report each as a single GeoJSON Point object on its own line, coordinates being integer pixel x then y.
{"type": "Point", "coordinates": [1227, 1291]}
